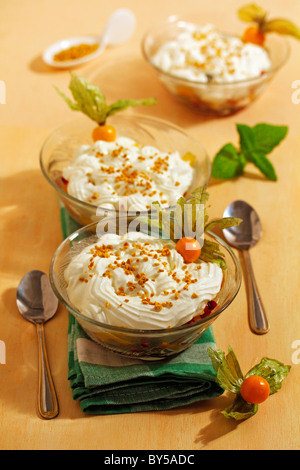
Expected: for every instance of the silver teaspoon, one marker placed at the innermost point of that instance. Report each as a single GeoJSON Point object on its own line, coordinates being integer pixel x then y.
{"type": "Point", "coordinates": [37, 303]}
{"type": "Point", "coordinates": [243, 237]}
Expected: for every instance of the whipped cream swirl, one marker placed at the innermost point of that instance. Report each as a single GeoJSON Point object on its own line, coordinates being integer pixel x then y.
{"type": "Point", "coordinates": [140, 282]}
{"type": "Point", "coordinates": [127, 176]}
{"type": "Point", "coordinates": [203, 54]}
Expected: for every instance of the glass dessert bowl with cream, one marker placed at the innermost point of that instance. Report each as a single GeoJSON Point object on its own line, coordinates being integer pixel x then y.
{"type": "Point", "coordinates": [215, 72]}
{"type": "Point", "coordinates": [134, 293]}
{"type": "Point", "coordinates": [149, 160]}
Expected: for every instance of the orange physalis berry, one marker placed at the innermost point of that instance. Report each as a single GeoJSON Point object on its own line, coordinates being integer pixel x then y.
{"type": "Point", "coordinates": [105, 132]}
{"type": "Point", "coordinates": [255, 389]}
{"type": "Point", "coordinates": [189, 248]}
{"type": "Point", "coordinates": [254, 35]}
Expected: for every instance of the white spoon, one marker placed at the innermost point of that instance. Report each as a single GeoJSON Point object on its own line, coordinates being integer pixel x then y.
{"type": "Point", "coordinates": [118, 29]}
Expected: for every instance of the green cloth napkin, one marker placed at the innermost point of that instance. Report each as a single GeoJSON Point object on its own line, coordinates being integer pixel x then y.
{"type": "Point", "coordinates": [105, 382]}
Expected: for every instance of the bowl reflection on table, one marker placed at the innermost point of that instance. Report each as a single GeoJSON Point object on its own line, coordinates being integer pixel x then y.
{"type": "Point", "coordinates": [143, 344]}
{"type": "Point", "coordinates": [211, 98]}
{"type": "Point", "coordinates": [57, 153]}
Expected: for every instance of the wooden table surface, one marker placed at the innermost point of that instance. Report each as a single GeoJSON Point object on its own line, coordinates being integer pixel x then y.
{"type": "Point", "coordinates": [30, 229]}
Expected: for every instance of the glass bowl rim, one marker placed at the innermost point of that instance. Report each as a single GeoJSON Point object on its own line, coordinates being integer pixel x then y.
{"type": "Point", "coordinates": [173, 19]}
{"type": "Point", "coordinates": [146, 332]}
{"type": "Point", "coordinates": [130, 116]}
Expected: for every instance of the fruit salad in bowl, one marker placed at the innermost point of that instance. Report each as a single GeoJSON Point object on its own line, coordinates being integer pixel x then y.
{"type": "Point", "coordinates": [141, 292]}
{"type": "Point", "coordinates": [121, 163]}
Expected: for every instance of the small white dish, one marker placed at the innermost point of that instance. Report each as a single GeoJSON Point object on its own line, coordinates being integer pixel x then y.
{"type": "Point", "coordinates": [64, 44]}
{"type": "Point", "coordinates": [118, 29]}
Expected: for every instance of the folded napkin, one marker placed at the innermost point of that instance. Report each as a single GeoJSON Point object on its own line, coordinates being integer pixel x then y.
{"type": "Point", "coordinates": [105, 382]}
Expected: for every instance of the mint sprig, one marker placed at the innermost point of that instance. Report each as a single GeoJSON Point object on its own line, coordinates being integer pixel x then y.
{"type": "Point", "coordinates": [230, 377]}
{"type": "Point", "coordinates": [255, 143]}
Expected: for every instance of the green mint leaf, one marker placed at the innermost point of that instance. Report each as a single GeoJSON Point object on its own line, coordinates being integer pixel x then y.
{"type": "Point", "coordinates": [228, 163]}
{"type": "Point", "coordinates": [264, 165]}
{"type": "Point", "coordinates": [247, 140]}
{"type": "Point", "coordinates": [240, 409]}
{"type": "Point", "coordinates": [267, 137]}
{"type": "Point", "coordinates": [228, 372]}
{"type": "Point", "coordinates": [255, 143]}
{"type": "Point", "coordinates": [262, 138]}
{"type": "Point", "coordinates": [271, 370]}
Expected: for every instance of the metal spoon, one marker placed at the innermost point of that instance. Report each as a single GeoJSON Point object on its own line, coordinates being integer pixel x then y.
{"type": "Point", "coordinates": [118, 29]}
{"type": "Point", "coordinates": [37, 303]}
{"type": "Point", "coordinates": [243, 237]}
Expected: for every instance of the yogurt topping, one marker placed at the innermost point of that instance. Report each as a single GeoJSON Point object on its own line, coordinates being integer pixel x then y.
{"type": "Point", "coordinates": [137, 281]}
{"type": "Point", "coordinates": [202, 54]}
{"type": "Point", "coordinates": [105, 172]}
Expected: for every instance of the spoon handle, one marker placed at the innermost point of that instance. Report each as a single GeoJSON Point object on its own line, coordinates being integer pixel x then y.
{"type": "Point", "coordinates": [47, 399]}
{"type": "Point", "coordinates": [257, 316]}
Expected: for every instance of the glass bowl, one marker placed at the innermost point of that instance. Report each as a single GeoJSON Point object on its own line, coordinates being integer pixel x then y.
{"type": "Point", "coordinates": [58, 150]}
{"type": "Point", "coordinates": [143, 344]}
{"type": "Point", "coordinates": [211, 98]}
